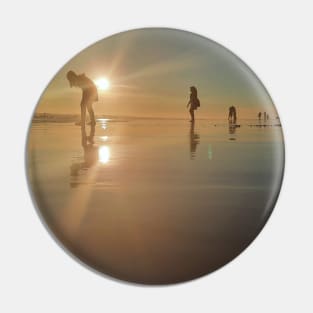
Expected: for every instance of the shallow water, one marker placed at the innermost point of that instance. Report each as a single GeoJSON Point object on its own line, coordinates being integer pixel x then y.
{"type": "Point", "coordinates": [156, 201]}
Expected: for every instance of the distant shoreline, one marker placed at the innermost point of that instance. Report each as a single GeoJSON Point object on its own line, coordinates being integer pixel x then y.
{"type": "Point", "coordinates": [67, 118]}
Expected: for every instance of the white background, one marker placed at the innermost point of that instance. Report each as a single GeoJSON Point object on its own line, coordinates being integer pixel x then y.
{"type": "Point", "coordinates": [274, 38]}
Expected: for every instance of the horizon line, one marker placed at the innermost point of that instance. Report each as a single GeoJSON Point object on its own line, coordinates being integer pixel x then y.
{"type": "Point", "coordinates": [132, 116]}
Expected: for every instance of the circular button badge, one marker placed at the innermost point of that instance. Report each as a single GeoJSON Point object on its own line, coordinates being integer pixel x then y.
{"type": "Point", "coordinates": [155, 156]}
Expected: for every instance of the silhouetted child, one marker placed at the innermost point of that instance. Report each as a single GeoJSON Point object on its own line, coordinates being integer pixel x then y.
{"type": "Point", "coordinates": [232, 114]}
{"type": "Point", "coordinates": [89, 95]}
{"type": "Point", "coordinates": [193, 102]}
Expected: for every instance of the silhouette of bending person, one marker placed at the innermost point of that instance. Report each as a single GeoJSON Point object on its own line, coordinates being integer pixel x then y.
{"type": "Point", "coordinates": [89, 95]}
{"type": "Point", "coordinates": [232, 115]}
{"type": "Point", "coordinates": [193, 102]}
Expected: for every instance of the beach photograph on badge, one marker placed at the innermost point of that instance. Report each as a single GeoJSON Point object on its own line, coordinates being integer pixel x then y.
{"type": "Point", "coordinates": [155, 156]}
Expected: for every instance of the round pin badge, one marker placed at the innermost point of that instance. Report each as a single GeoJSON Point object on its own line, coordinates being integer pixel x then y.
{"type": "Point", "coordinates": [155, 156]}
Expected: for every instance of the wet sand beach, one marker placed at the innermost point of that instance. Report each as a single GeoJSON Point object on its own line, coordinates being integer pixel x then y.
{"type": "Point", "coordinates": [156, 200]}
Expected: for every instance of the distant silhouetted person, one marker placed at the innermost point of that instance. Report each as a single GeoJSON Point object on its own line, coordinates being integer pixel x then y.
{"type": "Point", "coordinates": [264, 116]}
{"type": "Point", "coordinates": [193, 102]}
{"type": "Point", "coordinates": [89, 95]}
{"type": "Point", "coordinates": [259, 115]}
{"type": "Point", "coordinates": [267, 117]}
{"type": "Point", "coordinates": [232, 115]}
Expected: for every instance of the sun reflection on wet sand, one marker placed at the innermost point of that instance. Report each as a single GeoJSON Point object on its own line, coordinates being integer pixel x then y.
{"type": "Point", "coordinates": [103, 138]}
{"type": "Point", "coordinates": [103, 122]}
{"type": "Point", "coordinates": [104, 154]}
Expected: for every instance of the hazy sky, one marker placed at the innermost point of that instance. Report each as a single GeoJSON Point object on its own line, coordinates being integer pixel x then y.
{"type": "Point", "coordinates": [151, 70]}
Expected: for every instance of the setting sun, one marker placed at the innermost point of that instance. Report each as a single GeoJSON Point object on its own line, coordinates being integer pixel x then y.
{"type": "Point", "coordinates": [102, 83]}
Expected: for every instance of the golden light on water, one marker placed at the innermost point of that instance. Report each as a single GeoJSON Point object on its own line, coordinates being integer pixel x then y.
{"type": "Point", "coordinates": [104, 154]}
{"type": "Point", "coordinates": [104, 138]}
{"type": "Point", "coordinates": [102, 83]}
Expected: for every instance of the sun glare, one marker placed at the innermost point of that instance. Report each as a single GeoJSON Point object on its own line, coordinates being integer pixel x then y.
{"type": "Point", "coordinates": [102, 83]}
{"type": "Point", "coordinates": [104, 154]}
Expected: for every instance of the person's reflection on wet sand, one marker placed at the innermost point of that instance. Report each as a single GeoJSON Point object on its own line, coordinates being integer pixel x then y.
{"type": "Point", "coordinates": [194, 140]}
{"type": "Point", "coordinates": [91, 156]}
{"type": "Point", "coordinates": [232, 130]}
